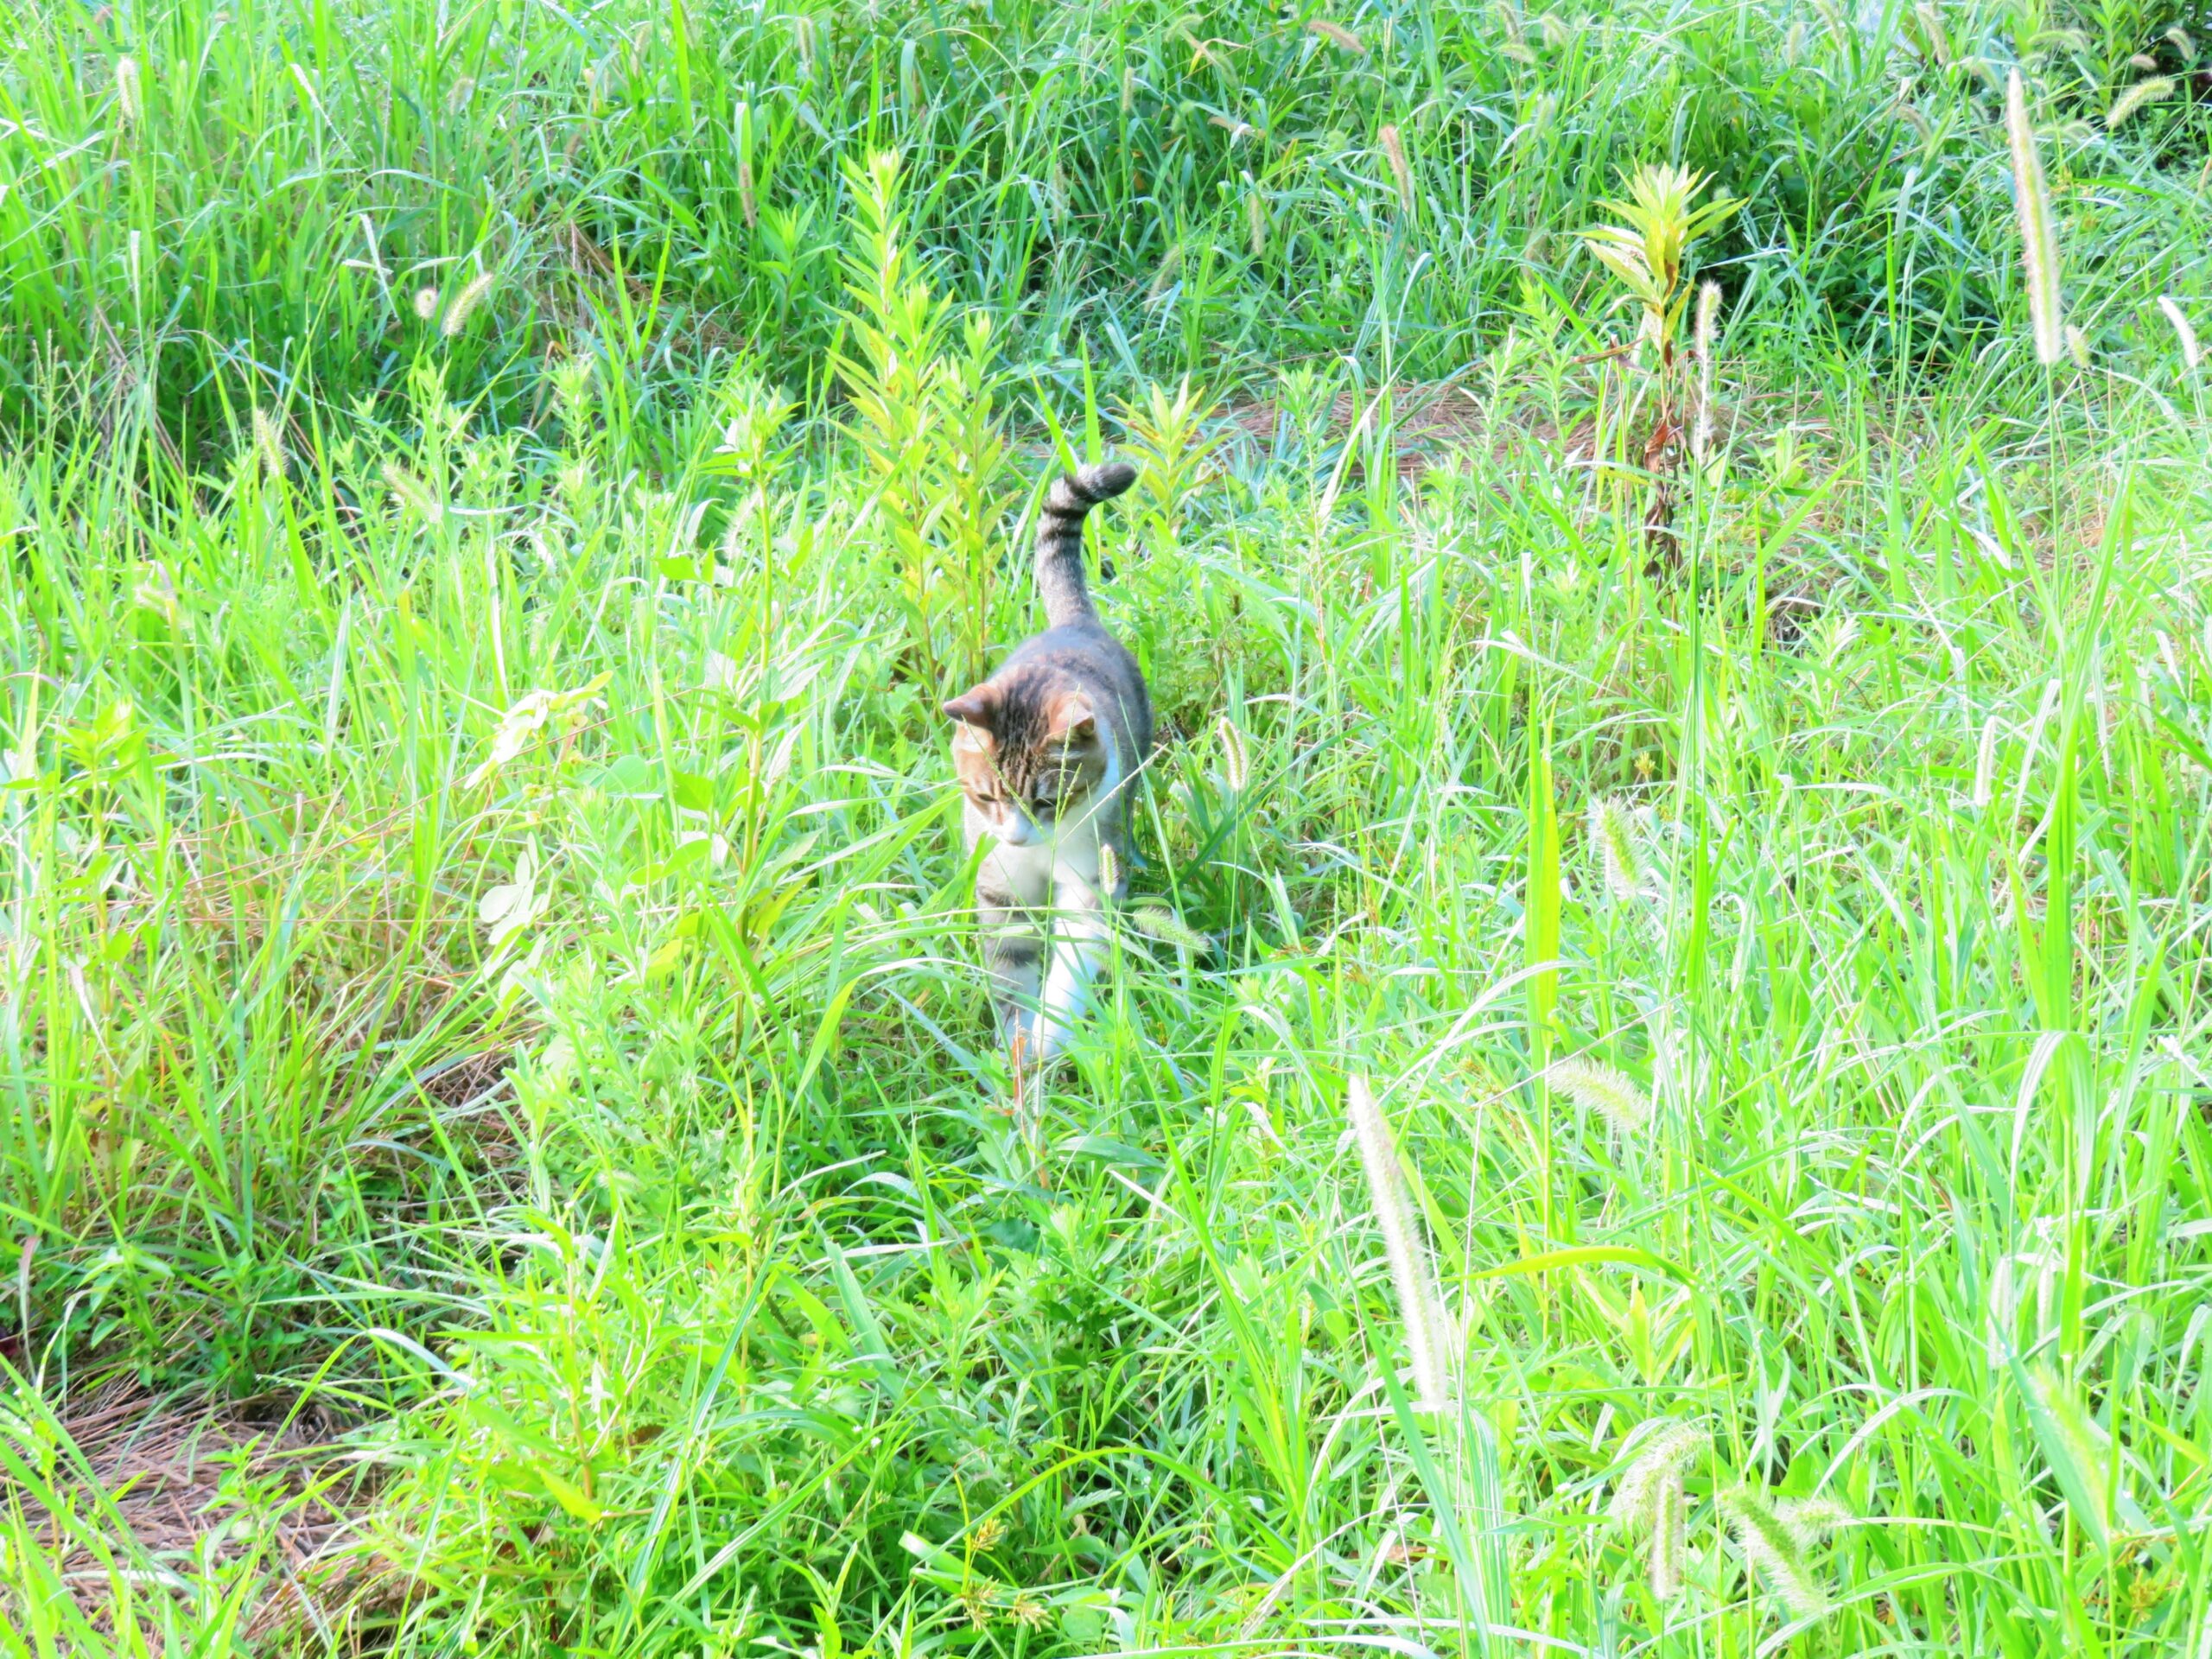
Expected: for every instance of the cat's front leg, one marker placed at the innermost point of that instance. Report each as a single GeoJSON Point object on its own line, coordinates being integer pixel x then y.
{"type": "Point", "coordinates": [1012, 891]}
{"type": "Point", "coordinates": [1079, 941]}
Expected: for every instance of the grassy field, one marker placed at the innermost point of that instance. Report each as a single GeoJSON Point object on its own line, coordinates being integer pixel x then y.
{"type": "Point", "coordinates": [1653, 1095]}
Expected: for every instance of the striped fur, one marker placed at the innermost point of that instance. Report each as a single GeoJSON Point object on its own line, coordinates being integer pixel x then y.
{"type": "Point", "coordinates": [1059, 538]}
{"type": "Point", "coordinates": [1049, 750]}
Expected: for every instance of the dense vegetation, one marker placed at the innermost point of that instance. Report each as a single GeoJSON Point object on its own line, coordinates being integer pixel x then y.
{"type": "Point", "coordinates": [500, 1148]}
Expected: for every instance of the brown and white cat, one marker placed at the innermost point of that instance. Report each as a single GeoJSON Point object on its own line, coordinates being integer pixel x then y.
{"type": "Point", "coordinates": [1049, 751]}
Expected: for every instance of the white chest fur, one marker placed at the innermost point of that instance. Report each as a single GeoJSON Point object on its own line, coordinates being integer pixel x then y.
{"type": "Point", "coordinates": [1053, 863]}
{"type": "Point", "coordinates": [1051, 869]}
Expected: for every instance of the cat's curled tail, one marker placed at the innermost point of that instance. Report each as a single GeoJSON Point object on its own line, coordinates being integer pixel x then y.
{"type": "Point", "coordinates": [1060, 538]}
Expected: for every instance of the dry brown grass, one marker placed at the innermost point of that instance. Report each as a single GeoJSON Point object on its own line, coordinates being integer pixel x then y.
{"type": "Point", "coordinates": [190, 1484]}
{"type": "Point", "coordinates": [1429, 422]}
{"type": "Point", "coordinates": [590, 266]}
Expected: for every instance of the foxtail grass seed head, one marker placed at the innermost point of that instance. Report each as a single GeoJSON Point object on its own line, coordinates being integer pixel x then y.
{"type": "Point", "coordinates": [1255, 218]}
{"type": "Point", "coordinates": [1157, 922]}
{"type": "Point", "coordinates": [1110, 869]}
{"type": "Point", "coordinates": [2129, 103]}
{"type": "Point", "coordinates": [2039, 237]}
{"type": "Point", "coordinates": [1235, 766]}
{"type": "Point", "coordinates": [1931, 29]}
{"type": "Point", "coordinates": [426, 303]}
{"type": "Point", "coordinates": [1810, 1519]}
{"type": "Point", "coordinates": [2077, 346]}
{"type": "Point", "coordinates": [412, 490]}
{"type": "Point", "coordinates": [2180, 37]}
{"type": "Point", "coordinates": [2191, 356]}
{"type": "Point", "coordinates": [1337, 35]}
{"type": "Point", "coordinates": [1775, 1551]}
{"type": "Point", "coordinates": [128, 98]}
{"type": "Point", "coordinates": [1553, 29]}
{"type": "Point", "coordinates": [803, 39]}
{"type": "Point", "coordinates": [466, 301]}
{"type": "Point", "coordinates": [1410, 1271]}
{"type": "Point", "coordinates": [1667, 1554]}
{"type": "Point", "coordinates": [1708, 315]}
{"type": "Point", "coordinates": [1612, 1094]}
{"type": "Point", "coordinates": [1620, 861]}
{"type": "Point", "coordinates": [745, 201]}
{"type": "Point", "coordinates": [1708, 312]}
{"type": "Point", "coordinates": [1164, 278]}
{"type": "Point", "coordinates": [1395, 149]}
{"type": "Point", "coordinates": [270, 440]}
{"type": "Point", "coordinates": [2144, 61]}
{"type": "Point", "coordinates": [1535, 120]}
{"type": "Point", "coordinates": [1649, 1498]}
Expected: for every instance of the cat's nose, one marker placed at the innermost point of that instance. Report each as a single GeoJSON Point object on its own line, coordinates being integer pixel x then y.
{"type": "Point", "coordinates": [1015, 828]}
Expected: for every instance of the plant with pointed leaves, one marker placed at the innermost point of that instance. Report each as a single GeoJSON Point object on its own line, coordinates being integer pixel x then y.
{"type": "Point", "coordinates": [1649, 250]}
{"type": "Point", "coordinates": [1167, 435]}
{"type": "Point", "coordinates": [924, 381]}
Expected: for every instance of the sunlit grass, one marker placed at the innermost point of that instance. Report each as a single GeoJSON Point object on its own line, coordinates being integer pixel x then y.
{"type": "Point", "coordinates": [484, 956]}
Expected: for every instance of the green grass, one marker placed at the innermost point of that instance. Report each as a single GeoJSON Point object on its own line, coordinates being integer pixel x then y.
{"type": "Point", "coordinates": [483, 964]}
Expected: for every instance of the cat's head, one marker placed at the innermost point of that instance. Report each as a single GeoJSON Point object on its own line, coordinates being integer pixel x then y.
{"type": "Point", "coordinates": [1028, 752]}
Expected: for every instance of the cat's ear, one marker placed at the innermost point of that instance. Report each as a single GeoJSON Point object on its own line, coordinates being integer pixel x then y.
{"type": "Point", "coordinates": [1074, 722]}
{"type": "Point", "coordinates": [978, 708]}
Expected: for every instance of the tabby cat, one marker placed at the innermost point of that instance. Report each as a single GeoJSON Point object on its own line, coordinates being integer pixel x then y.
{"type": "Point", "coordinates": [1048, 750]}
